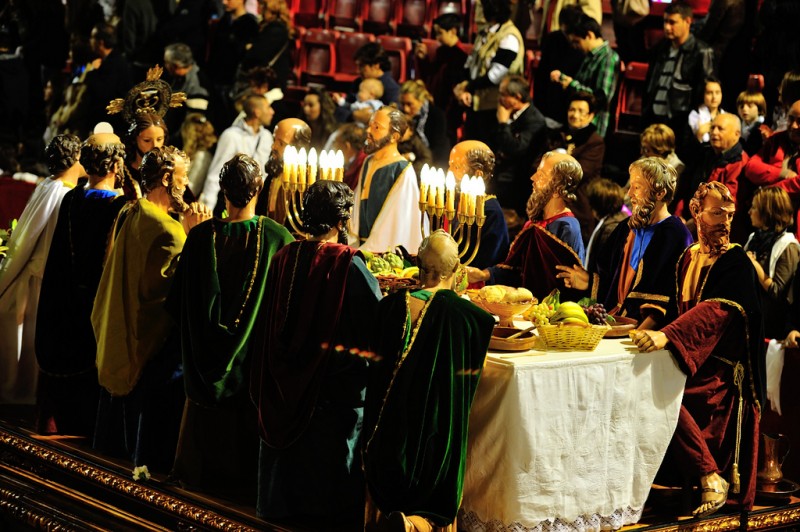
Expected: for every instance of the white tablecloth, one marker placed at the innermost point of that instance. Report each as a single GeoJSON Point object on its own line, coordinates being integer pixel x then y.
{"type": "Point", "coordinates": [568, 441]}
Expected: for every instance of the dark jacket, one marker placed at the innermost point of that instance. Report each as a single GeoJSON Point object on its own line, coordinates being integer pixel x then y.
{"type": "Point", "coordinates": [695, 62]}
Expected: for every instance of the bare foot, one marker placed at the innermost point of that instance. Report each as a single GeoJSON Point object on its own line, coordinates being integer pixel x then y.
{"type": "Point", "coordinates": [714, 493]}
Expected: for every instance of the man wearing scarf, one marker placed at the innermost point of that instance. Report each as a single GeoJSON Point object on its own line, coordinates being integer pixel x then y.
{"type": "Point", "coordinates": [717, 341]}
{"type": "Point", "coordinates": [551, 237]}
{"type": "Point", "coordinates": [723, 160]}
{"type": "Point", "coordinates": [138, 352]}
{"type": "Point", "coordinates": [215, 296]}
{"type": "Point", "coordinates": [309, 370]}
{"type": "Point", "coordinates": [634, 274]}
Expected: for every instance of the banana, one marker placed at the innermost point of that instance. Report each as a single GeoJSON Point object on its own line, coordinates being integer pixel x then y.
{"type": "Point", "coordinates": [569, 312]}
{"type": "Point", "coordinates": [574, 321]}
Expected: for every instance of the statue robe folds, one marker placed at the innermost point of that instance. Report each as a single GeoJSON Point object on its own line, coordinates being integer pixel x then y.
{"type": "Point", "coordinates": [308, 380]}
{"type": "Point", "coordinates": [717, 341]}
{"type": "Point", "coordinates": [216, 324]}
{"type": "Point", "coordinates": [421, 391]}
{"type": "Point", "coordinates": [386, 212]}
{"type": "Point", "coordinates": [531, 263]}
{"type": "Point", "coordinates": [649, 287]}
{"type": "Point", "coordinates": [20, 283]}
{"type": "Point", "coordinates": [130, 322]}
{"type": "Point", "coordinates": [65, 343]}
{"type": "Point", "coordinates": [218, 288]}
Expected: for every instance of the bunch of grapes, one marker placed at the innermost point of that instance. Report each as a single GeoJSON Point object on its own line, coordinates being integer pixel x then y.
{"type": "Point", "coordinates": [540, 314]}
{"type": "Point", "coordinates": [596, 313]}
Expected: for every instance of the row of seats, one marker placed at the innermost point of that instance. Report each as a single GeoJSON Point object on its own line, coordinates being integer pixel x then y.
{"type": "Point", "coordinates": [406, 18]}
{"type": "Point", "coordinates": [326, 56]}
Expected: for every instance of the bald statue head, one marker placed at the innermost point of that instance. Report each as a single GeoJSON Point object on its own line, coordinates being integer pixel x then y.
{"type": "Point", "coordinates": [289, 131]}
{"type": "Point", "coordinates": [102, 156]}
{"type": "Point", "coordinates": [726, 129]}
{"type": "Point", "coordinates": [472, 158]}
{"type": "Point", "coordinates": [438, 258]}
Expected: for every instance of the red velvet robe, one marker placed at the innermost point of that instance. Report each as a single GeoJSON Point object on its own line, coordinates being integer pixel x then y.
{"type": "Point", "coordinates": [723, 321]}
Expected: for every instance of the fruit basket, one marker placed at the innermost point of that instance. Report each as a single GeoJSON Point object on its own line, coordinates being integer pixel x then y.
{"type": "Point", "coordinates": [572, 336]}
{"type": "Point", "coordinates": [504, 311]}
{"type": "Point", "coordinates": [392, 283]}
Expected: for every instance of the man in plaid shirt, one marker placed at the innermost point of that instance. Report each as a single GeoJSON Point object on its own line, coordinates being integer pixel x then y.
{"type": "Point", "coordinates": [599, 72]}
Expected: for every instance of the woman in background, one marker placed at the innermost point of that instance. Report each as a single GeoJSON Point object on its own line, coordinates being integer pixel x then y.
{"type": "Point", "coordinates": [318, 113]}
{"type": "Point", "coordinates": [775, 254]}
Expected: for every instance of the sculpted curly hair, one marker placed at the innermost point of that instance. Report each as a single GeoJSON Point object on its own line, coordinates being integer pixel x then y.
{"type": "Point", "coordinates": [480, 160]}
{"type": "Point", "coordinates": [326, 205]}
{"type": "Point", "coordinates": [62, 152]}
{"type": "Point", "coordinates": [696, 203]}
{"type": "Point", "coordinates": [568, 174]}
{"type": "Point", "coordinates": [240, 179]}
{"type": "Point", "coordinates": [99, 159]}
{"type": "Point", "coordinates": [156, 164]}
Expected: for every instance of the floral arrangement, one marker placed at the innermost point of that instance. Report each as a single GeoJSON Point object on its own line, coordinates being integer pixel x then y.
{"type": "Point", "coordinates": [141, 474]}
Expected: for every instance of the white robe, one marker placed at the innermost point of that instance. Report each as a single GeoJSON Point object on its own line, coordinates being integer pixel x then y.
{"type": "Point", "coordinates": [398, 222]}
{"type": "Point", "coordinates": [20, 282]}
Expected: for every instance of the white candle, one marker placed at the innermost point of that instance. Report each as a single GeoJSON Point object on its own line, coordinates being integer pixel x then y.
{"type": "Point", "coordinates": [312, 166]}
{"type": "Point", "coordinates": [450, 185]}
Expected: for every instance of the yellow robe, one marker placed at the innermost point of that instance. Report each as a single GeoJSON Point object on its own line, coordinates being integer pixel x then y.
{"type": "Point", "coordinates": [129, 320]}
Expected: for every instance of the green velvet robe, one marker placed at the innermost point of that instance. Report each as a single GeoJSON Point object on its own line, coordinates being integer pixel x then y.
{"type": "Point", "coordinates": [420, 393]}
{"type": "Point", "coordinates": [207, 299]}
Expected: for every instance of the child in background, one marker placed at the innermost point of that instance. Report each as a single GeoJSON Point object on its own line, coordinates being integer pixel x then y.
{"type": "Point", "coordinates": [751, 107]}
{"type": "Point", "coordinates": [370, 92]}
{"type": "Point", "coordinates": [700, 119]}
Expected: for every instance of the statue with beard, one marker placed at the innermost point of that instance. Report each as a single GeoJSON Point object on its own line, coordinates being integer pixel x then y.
{"type": "Point", "coordinates": [634, 275]}
{"type": "Point", "coordinates": [386, 212]}
{"type": "Point", "coordinates": [717, 341]}
{"type": "Point", "coordinates": [551, 238]}
{"type": "Point", "coordinates": [138, 350]}
{"type": "Point", "coordinates": [288, 132]}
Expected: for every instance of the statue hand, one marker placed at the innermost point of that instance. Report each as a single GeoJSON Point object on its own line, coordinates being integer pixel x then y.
{"type": "Point", "coordinates": [648, 341]}
{"type": "Point", "coordinates": [574, 276]}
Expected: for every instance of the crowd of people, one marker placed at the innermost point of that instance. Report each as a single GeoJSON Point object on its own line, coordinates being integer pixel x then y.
{"type": "Point", "coordinates": [154, 301]}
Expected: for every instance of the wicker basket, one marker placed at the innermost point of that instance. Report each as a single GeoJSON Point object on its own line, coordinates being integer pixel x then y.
{"type": "Point", "coordinates": [572, 337]}
{"type": "Point", "coordinates": [390, 284]}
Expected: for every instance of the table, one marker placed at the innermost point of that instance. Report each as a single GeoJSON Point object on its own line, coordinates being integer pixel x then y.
{"type": "Point", "coordinates": [568, 440]}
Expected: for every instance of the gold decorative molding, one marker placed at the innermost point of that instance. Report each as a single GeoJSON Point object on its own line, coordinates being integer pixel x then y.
{"type": "Point", "coordinates": [774, 518]}
{"type": "Point", "coordinates": [11, 504]}
{"type": "Point", "coordinates": [142, 492]}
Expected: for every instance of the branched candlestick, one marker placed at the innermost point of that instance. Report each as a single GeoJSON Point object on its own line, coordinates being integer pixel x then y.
{"type": "Point", "coordinates": [300, 171]}
{"type": "Point", "coordinates": [437, 201]}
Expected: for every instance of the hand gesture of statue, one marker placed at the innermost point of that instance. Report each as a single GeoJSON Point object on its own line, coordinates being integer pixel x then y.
{"type": "Point", "coordinates": [648, 341]}
{"type": "Point", "coordinates": [574, 276]}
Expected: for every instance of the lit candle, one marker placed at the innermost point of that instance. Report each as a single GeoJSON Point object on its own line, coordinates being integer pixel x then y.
{"type": "Point", "coordinates": [473, 184]}
{"type": "Point", "coordinates": [312, 166]}
{"type": "Point", "coordinates": [323, 163]}
{"type": "Point", "coordinates": [432, 188]}
{"type": "Point", "coordinates": [450, 185]}
{"type": "Point", "coordinates": [339, 164]}
{"type": "Point", "coordinates": [423, 184]}
{"type": "Point", "coordinates": [462, 198]}
{"type": "Point", "coordinates": [440, 189]}
{"type": "Point", "coordinates": [287, 164]}
{"type": "Point", "coordinates": [302, 161]}
{"type": "Point", "coordinates": [480, 190]}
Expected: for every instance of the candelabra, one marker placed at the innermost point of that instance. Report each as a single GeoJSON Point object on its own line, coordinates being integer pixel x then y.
{"type": "Point", "coordinates": [437, 201]}
{"type": "Point", "coordinates": [300, 170]}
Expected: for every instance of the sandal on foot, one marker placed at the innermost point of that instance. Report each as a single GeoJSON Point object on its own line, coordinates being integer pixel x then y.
{"type": "Point", "coordinates": [717, 503]}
